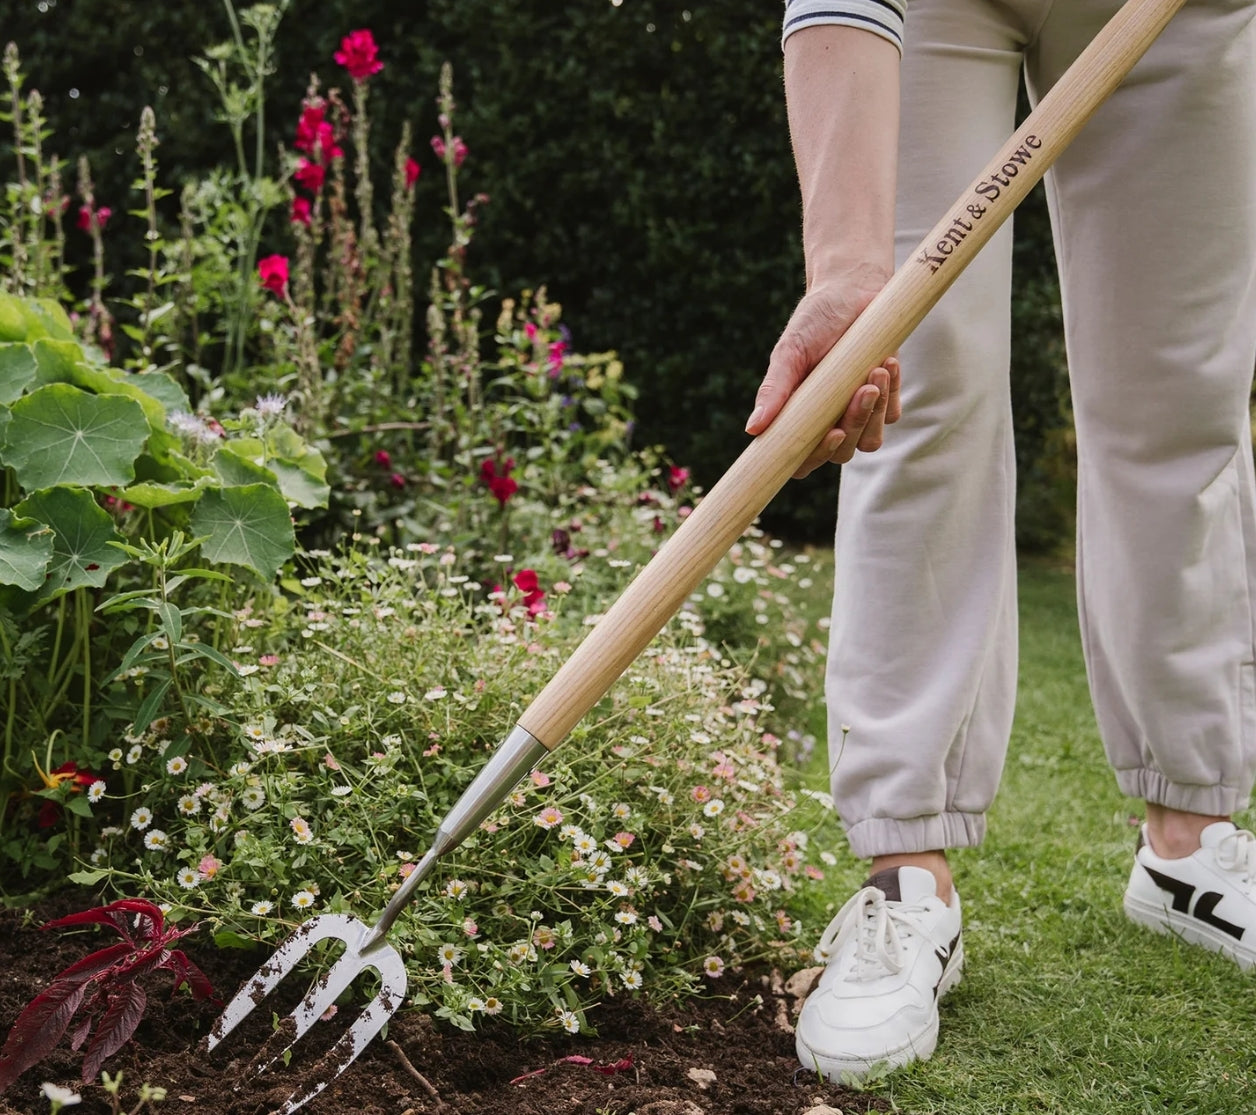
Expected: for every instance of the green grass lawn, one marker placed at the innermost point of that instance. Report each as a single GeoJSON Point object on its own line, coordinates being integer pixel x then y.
{"type": "Point", "coordinates": [1065, 1006]}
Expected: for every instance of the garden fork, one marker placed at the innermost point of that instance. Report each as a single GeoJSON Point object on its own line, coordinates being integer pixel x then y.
{"type": "Point", "coordinates": [719, 520]}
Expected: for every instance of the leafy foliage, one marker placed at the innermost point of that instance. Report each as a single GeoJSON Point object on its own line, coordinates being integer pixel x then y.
{"type": "Point", "coordinates": [102, 990]}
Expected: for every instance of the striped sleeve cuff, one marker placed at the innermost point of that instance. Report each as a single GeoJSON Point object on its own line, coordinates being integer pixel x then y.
{"type": "Point", "coordinates": [881, 17]}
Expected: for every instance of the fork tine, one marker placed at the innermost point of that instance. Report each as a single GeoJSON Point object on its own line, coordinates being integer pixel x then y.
{"type": "Point", "coordinates": [282, 961]}
{"type": "Point", "coordinates": [327, 988]}
{"type": "Point", "coordinates": [391, 995]}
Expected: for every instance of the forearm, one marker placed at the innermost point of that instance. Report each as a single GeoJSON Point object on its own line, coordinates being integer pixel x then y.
{"type": "Point", "coordinates": [841, 88]}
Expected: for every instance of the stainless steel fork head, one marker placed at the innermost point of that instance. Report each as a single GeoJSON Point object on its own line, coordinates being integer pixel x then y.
{"type": "Point", "coordinates": [362, 952]}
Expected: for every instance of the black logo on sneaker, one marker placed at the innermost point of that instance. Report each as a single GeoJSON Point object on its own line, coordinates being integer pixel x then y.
{"type": "Point", "coordinates": [1204, 905]}
{"type": "Point", "coordinates": [944, 958]}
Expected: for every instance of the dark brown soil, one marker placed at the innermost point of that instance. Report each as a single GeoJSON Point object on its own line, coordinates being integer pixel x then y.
{"type": "Point", "coordinates": [722, 1056]}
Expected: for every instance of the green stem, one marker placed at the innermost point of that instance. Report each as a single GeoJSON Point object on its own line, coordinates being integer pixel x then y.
{"type": "Point", "coordinates": [84, 622]}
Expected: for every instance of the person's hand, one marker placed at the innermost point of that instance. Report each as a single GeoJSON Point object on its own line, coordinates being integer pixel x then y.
{"type": "Point", "coordinates": [815, 326]}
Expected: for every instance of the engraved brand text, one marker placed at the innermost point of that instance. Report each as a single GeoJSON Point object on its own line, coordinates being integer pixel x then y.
{"type": "Point", "coordinates": [987, 190]}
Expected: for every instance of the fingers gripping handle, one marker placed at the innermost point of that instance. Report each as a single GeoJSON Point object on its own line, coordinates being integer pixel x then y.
{"type": "Point", "coordinates": [769, 461]}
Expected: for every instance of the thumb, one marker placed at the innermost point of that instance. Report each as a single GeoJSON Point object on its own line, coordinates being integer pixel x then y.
{"type": "Point", "coordinates": [787, 368]}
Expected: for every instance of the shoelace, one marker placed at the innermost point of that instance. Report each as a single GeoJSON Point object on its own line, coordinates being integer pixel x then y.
{"type": "Point", "coordinates": [1237, 852]}
{"type": "Point", "coordinates": [880, 931]}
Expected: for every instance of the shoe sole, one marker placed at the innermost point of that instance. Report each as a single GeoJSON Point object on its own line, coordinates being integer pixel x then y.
{"type": "Point", "coordinates": [918, 1048]}
{"type": "Point", "coordinates": [1173, 923]}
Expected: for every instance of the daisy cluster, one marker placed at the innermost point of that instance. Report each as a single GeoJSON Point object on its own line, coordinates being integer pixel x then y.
{"type": "Point", "coordinates": [658, 848]}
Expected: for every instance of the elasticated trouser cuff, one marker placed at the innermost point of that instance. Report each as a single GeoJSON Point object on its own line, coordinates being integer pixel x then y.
{"type": "Point", "coordinates": [1210, 801]}
{"type": "Point", "coordinates": [885, 836]}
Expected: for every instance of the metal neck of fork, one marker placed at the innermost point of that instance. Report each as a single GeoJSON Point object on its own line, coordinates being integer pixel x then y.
{"type": "Point", "coordinates": [515, 756]}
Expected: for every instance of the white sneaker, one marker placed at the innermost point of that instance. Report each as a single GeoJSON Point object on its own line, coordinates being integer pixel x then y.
{"type": "Point", "coordinates": [891, 953]}
{"type": "Point", "coordinates": [1208, 898]}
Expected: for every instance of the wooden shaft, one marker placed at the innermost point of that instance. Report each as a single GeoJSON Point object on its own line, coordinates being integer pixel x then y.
{"type": "Point", "coordinates": [733, 504]}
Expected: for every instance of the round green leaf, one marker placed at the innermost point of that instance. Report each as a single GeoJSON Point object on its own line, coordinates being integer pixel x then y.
{"type": "Point", "coordinates": [17, 370]}
{"type": "Point", "coordinates": [25, 551]}
{"type": "Point", "coordinates": [82, 533]}
{"type": "Point", "coordinates": [61, 435]}
{"type": "Point", "coordinates": [151, 494]}
{"type": "Point", "coordinates": [249, 526]}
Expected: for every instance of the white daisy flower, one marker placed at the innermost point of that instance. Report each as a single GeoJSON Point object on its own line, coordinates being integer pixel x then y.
{"type": "Point", "coordinates": [189, 804]}
{"type": "Point", "coordinates": [156, 840]}
{"type": "Point", "coordinates": [626, 917]}
{"type": "Point", "coordinates": [142, 818]}
{"type": "Point", "coordinates": [96, 791]}
{"type": "Point", "coordinates": [493, 1005]}
{"type": "Point", "coordinates": [449, 954]}
{"type": "Point", "coordinates": [187, 878]}
{"type": "Point", "coordinates": [261, 909]}
{"type": "Point", "coordinates": [303, 899]}
{"type": "Point", "coordinates": [475, 1003]}
{"type": "Point", "coordinates": [618, 889]}
{"type": "Point", "coordinates": [569, 1021]}
{"type": "Point", "coordinates": [581, 969]}
{"type": "Point", "coordinates": [632, 980]}
{"type": "Point", "coordinates": [254, 797]}
{"type": "Point", "coordinates": [133, 756]}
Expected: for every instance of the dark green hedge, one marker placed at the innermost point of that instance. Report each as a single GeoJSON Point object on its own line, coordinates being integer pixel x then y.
{"type": "Point", "coordinates": [637, 161]}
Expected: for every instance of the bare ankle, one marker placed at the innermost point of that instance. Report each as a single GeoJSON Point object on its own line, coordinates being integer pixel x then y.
{"type": "Point", "coordinates": [934, 862]}
{"type": "Point", "coordinates": [1173, 833]}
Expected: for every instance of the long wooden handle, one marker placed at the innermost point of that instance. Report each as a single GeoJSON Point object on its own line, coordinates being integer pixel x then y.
{"type": "Point", "coordinates": [733, 504]}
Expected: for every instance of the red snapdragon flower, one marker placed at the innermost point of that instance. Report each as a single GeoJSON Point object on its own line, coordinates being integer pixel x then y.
{"type": "Point", "coordinates": [528, 583]}
{"type": "Point", "coordinates": [499, 484]}
{"type": "Point", "coordinates": [315, 136]}
{"type": "Point", "coordinates": [413, 170]}
{"type": "Point", "coordinates": [310, 175]}
{"type": "Point", "coordinates": [359, 55]}
{"type": "Point", "coordinates": [302, 211]}
{"type": "Point", "coordinates": [273, 273]}
{"type": "Point", "coordinates": [87, 218]}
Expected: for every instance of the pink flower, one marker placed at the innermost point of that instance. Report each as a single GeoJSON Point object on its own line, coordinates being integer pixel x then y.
{"type": "Point", "coordinates": [653, 922]}
{"type": "Point", "coordinates": [548, 818]}
{"type": "Point", "coordinates": [412, 173]}
{"type": "Point", "coordinates": [208, 867]}
{"type": "Point", "coordinates": [397, 480]}
{"type": "Point", "coordinates": [268, 660]}
{"type": "Point", "coordinates": [677, 478]}
{"type": "Point", "coordinates": [383, 458]}
{"type": "Point", "coordinates": [624, 839]}
{"type": "Point", "coordinates": [273, 273]}
{"type": "Point", "coordinates": [308, 127]}
{"type": "Point", "coordinates": [405, 869]}
{"type": "Point", "coordinates": [527, 582]}
{"type": "Point", "coordinates": [700, 794]}
{"type": "Point", "coordinates": [301, 211]}
{"type": "Point", "coordinates": [330, 761]}
{"type": "Point", "coordinates": [529, 330]}
{"type": "Point", "coordinates": [540, 779]}
{"type": "Point", "coordinates": [358, 54]}
{"type": "Point", "coordinates": [87, 219]}
{"type": "Point", "coordinates": [460, 149]}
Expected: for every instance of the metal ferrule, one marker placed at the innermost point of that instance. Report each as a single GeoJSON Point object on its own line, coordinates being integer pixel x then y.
{"type": "Point", "coordinates": [515, 756]}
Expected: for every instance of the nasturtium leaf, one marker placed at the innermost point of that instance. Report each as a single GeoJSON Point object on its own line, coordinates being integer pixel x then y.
{"type": "Point", "coordinates": [249, 526]}
{"type": "Point", "coordinates": [47, 318]}
{"type": "Point", "coordinates": [82, 533]}
{"type": "Point", "coordinates": [163, 388]}
{"type": "Point", "coordinates": [17, 370]}
{"type": "Point", "coordinates": [56, 361]}
{"type": "Point", "coordinates": [301, 486]}
{"type": "Point", "coordinates": [103, 380]}
{"type": "Point", "coordinates": [61, 435]}
{"type": "Point", "coordinates": [235, 467]}
{"type": "Point", "coordinates": [25, 319]}
{"type": "Point", "coordinates": [150, 494]}
{"type": "Point", "coordinates": [25, 551]}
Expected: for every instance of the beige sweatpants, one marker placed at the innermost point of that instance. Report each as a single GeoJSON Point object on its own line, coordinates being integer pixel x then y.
{"type": "Point", "coordinates": [1154, 213]}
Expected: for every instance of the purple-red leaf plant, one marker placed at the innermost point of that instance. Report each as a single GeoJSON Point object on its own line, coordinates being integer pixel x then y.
{"type": "Point", "coordinates": [102, 989]}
